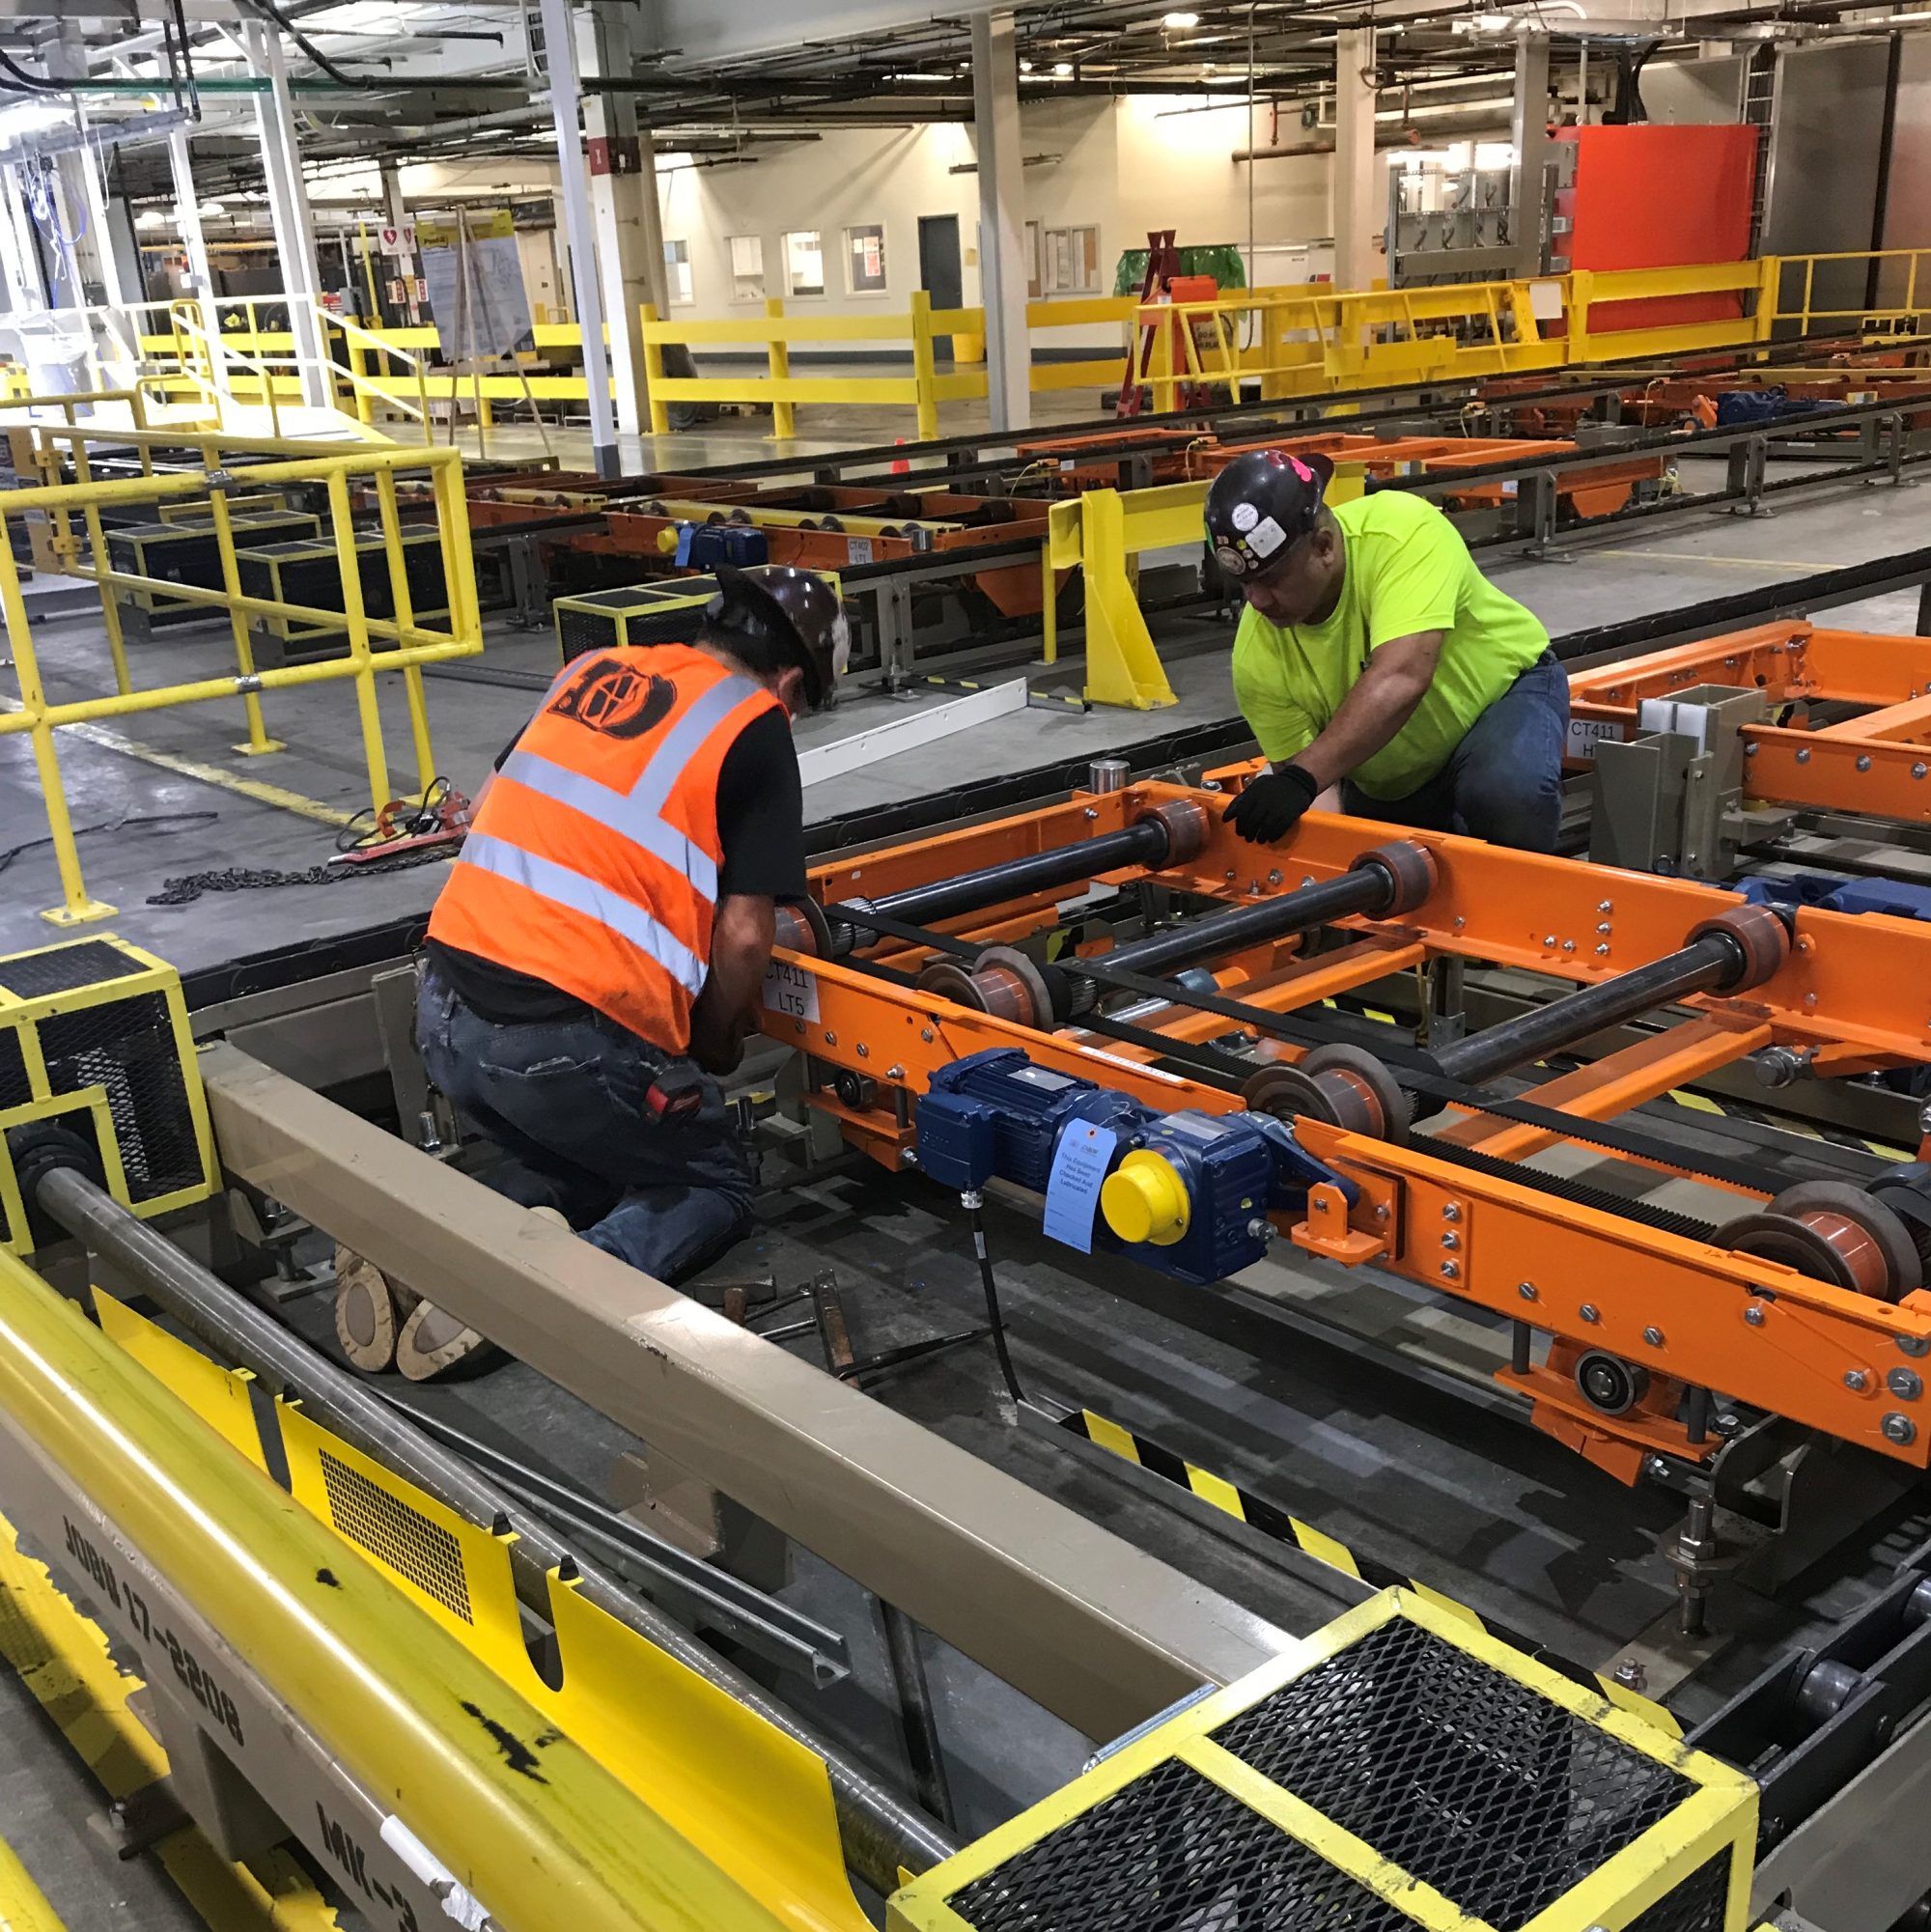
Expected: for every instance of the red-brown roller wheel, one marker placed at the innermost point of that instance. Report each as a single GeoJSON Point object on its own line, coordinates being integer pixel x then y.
{"type": "Point", "coordinates": [1411, 872]}
{"type": "Point", "coordinates": [1187, 824]}
{"type": "Point", "coordinates": [1760, 936]}
{"type": "Point", "coordinates": [1832, 1232]}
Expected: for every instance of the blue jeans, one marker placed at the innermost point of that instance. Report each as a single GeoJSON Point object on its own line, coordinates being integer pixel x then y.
{"type": "Point", "coordinates": [1503, 782]}
{"type": "Point", "coordinates": [565, 1100]}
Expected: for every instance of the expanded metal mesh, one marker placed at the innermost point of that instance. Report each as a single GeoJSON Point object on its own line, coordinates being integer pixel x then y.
{"type": "Point", "coordinates": [1468, 1781]}
{"type": "Point", "coordinates": [1172, 1853]}
{"type": "Point", "coordinates": [397, 1533]}
{"type": "Point", "coordinates": [64, 970]}
{"type": "Point", "coordinates": [1696, 1905]}
{"type": "Point", "coordinates": [127, 1047]}
{"type": "Point", "coordinates": [582, 631]}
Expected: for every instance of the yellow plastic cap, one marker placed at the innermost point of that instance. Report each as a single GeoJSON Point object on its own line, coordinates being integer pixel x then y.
{"type": "Point", "coordinates": [1145, 1199]}
{"type": "Point", "coordinates": [667, 539]}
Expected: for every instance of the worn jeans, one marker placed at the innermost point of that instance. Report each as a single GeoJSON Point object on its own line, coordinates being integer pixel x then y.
{"type": "Point", "coordinates": [1503, 782]}
{"type": "Point", "coordinates": [564, 1100]}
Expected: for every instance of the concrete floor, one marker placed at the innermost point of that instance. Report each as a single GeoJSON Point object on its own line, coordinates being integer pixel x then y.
{"type": "Point", "coordinates": [1471, 1501]}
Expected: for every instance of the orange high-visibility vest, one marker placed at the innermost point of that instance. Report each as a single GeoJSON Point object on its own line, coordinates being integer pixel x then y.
{"type": "Point", "coordinates": [592, 864]}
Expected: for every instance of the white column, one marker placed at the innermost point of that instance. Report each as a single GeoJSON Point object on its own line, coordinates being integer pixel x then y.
{"type": "Point", "coordinates": [1002, 257]}
{"type": "Point", "coordinates": [1528, 134]}
{"type": "Point", "coordinates": [288, 206]}
{"type": "Point", "coordinates": [194, 243]}
{"type": "Point", "coordinates": [1356, 214]}
{"type": "Point", "coordinates": [560, 55]}
{"type": "Point", "coordinates": [26, 290]}
{"type": "Point", "coordinates": [624, 213]}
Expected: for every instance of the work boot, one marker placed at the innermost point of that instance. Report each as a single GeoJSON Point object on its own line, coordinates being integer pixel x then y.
{"type": "Point", "coordinates": [369, 1311]}
{"type": "Point", "coordinates": [433, 1345]}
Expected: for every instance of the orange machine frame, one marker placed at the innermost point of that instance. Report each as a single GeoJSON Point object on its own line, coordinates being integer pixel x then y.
{"type": "Point", "coordinates": [1858, 989]}
{"type": "Point", "coordinates": [1877, 763]}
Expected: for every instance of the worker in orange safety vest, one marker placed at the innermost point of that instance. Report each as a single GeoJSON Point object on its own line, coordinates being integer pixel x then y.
{"type": "Point", "coordinates": [598, 954]}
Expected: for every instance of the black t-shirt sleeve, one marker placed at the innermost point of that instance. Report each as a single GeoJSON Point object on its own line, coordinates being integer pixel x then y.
{"type": "Point", "coordinates": [761, 812]}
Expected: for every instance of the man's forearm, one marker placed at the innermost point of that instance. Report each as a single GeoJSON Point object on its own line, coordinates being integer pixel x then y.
{"type": "Point", "coordinates": [1383, 700]}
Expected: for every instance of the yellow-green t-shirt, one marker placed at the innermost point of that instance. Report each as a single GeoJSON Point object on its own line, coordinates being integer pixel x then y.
{"type": "Point", "coordinates": [1408, 569]}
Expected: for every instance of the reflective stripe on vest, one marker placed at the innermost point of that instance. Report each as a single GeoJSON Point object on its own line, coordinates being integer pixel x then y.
{"type": "Point", "coordinates": [637, 814]}
{"type": "Point", "coordinates": [549, 880]}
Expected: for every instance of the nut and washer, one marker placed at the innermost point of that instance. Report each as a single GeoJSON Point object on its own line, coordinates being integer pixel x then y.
{"type": "Point", "coordinates": [1906, 1383]}
{"type": "Point", "coordinates": [1913, 1345]}
{"type": "Point", "coordinates": [1451, 1211]}
{"type": "Point", "coordinates": [1450, 1238]}
{"type": "Point", "coordinates": [1590, 1312]}
{"type": "Point", "coordinates": [1527, 1290]}
{"type": "Point", "coordinates": [1449, 1270]}
{"type": "Point", "coordinates": [1653, 1337]}
{"type": "Point", "coordinates": [1857, 1379]}
{"type": "Point", "coordinates": [1899, 1429]}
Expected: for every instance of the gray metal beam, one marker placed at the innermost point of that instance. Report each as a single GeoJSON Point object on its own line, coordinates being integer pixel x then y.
{"type": "Point", "coordinates": [1096, 1631]}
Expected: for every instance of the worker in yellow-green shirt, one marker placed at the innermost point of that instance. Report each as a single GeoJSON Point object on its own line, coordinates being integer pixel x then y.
{"type": "Point", "coordinates": [1374, 657]}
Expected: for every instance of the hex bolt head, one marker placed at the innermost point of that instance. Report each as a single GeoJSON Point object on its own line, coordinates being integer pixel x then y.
{"type": "Point", "coordinates": [1451, 1239]}
{"type": "Point", "coordinates": [925, 1034]}
{"type": "Point", "coordinates": [1451, 1211]}
{"type": "Point", "coordinates": [1653, 1337]}
{"type": "Point", "coordinates": [1527, 1290]}
{"type": "Point", "coordinates": [831, 1039]}
{"type": "Point", "coordinates": [1449, 1270]}
{"type": "Point", "coordinates": [1549, 939]}
{"type": "Point", "coordinates": [1590, 1313]}
{"type": "Point", "coordinates": [1803, 756]}
{"type": "Point", "coordinates": [1913, 1345]}
{"type": "Point", "coordinates": [1274, 876]}
{"type": "Point", "coordinates": [1606, 904]}
{"type": "Point", "coordinates": [1863, 762]}
{"type": "Point", "coordinates": [1899, 1429]}
{"type": "Point", "coordinates": [1753, 1315]}
{"type": "Point", "coordinates": [1856, 1379]}
{"type": "Point", "coordinates": [864, 1052]}
{"type": "Point", "coordinates": [1918, 770]}
{"type": "Point", "coordinates": [1906, 1383]}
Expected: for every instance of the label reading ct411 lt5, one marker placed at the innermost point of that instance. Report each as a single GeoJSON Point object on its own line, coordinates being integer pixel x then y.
{"type": "Point", "coordinates": [791, 991]}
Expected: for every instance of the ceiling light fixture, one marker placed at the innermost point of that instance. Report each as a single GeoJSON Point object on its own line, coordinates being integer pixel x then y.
{"type": "Point", "coordinates": [1178, 22]}
{"type": "Point", "coordinates": [1062, 68]}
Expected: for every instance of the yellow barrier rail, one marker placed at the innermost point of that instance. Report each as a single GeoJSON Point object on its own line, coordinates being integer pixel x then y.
{"type": "Point", "coordinates": [1290, 341]}
{"type": "Point", "coordinates": [374, 644]}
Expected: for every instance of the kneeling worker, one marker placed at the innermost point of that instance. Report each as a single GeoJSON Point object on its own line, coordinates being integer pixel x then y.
{"type": "Point", "coordinates": [1374, 656]}
{"type": "Point", "coordinates": [600, 947]}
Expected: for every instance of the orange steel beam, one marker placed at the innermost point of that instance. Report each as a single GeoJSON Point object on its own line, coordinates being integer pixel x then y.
{"type": "Point", "coordinates": [1761, 1331]}
{"type": "Point", "coordinates": [1613, 1085]}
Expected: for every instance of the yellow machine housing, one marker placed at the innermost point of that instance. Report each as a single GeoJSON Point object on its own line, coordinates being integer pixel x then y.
{"type": "Point", "coordinates": [94, 1032]}
{"type": "Point", "coordinates": [1398, 1768]}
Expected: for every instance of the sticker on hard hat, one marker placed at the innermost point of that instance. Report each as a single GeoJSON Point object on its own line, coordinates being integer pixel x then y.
{"type": "Point", "coordinates": [1230, 560]}
{"type": "Point", "coordinates": [1245, 517]}
{"type": "Point", "coordinates": [1266, 538]}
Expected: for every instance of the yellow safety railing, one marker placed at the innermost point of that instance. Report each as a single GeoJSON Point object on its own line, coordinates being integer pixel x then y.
{"type": "Point", "coordinates": [924, 389]}
{"type": "Point", "coordinates": [1294, 340]}
{"type": "Point", "coordinates": [373, 644]}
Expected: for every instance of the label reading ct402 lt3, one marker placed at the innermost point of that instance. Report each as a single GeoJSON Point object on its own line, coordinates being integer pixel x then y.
{"type": "Point", "coordinates": [789, 991]}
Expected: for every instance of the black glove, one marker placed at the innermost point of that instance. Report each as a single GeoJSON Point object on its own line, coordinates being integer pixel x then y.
{"type": "Point", "coordinates": [1270, 807]}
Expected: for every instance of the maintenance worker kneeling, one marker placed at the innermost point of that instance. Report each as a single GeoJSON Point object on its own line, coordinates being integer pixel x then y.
{"type": "Point", "coordinates": [1374, 656]}
{"type": "Point", "coordinates": [599, 948]}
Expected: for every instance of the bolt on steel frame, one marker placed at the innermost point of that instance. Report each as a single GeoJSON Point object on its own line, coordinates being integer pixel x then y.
{"type": "Point", "coordinates": [1452, 1209]}
{"type": "Point", "coordinates": [373, 644]}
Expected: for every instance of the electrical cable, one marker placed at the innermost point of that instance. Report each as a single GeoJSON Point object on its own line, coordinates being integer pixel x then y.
{"type": "Point", "coordinates": [33, 83]}
{"type": "Point", "coordinates": [14, 852]}
{"type": "Point", "coordinates": [364, 83]}
{"type": "Point", "coordinates": [972, 1199]}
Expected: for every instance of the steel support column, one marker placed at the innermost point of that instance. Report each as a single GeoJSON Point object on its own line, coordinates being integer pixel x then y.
{"type": "Point", "coordinates": [1096, 1631]}
{"type": "Point", "coordinates": [1002, 274]}
{"type": "Point", "coordinates": [1529, 134]}
{"type": "Point", "coordinates": [287, 207]}
{"type": "Point", "coordinates": [560, 62]}
{"type": "Point", "coordinates": [1355, 204]}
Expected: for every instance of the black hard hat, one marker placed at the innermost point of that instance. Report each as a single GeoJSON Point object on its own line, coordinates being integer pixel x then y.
{"type": "Point", "coordinates": [1261, 505]}
{"type": "Point", "coordinates": [797, 607]}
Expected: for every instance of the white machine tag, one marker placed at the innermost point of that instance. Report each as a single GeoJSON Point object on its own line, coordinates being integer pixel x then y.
{"type": "Point", "coordinates": [791, 991]}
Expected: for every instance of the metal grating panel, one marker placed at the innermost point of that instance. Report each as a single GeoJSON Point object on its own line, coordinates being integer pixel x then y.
{"type": "Point", "coordinates": [1696, 1904]}
{"type": "Point", "coordinates": [1468, 1779]}
{"type": "Point", "coordinates": [1172, 1853]}
{"type": "Point", "coordinates": [580, 630]}
{"type": "Point", "coordinates": [64, 970]}
{"type": "Point", "coordinates": [16, 1089]}
{"type": "Point", "coordinates": [128, 1047]}
{"type": "Point", "coordinates": [397, 1534]}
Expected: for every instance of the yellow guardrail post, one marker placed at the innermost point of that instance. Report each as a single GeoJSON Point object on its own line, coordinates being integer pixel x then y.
{"type": "Point", "coordinates": [784, 418]}
{"type": "Point", "coordinates": [258, 742]}
{"type": "Point", "coordinates": [924, 366]}
{"type": "Point", "coordinates": [355, 620]}
{"type": "Point", "coordinates": [110, 605]}
{"type": "Point", "coordinates": [1121, 665]}
{"type": "Point", "coordinates": [77, 906]}
{"type": "Point", "coordinates": [653, 374]}
{"type": "Point", "coordinates": [389, 520]}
